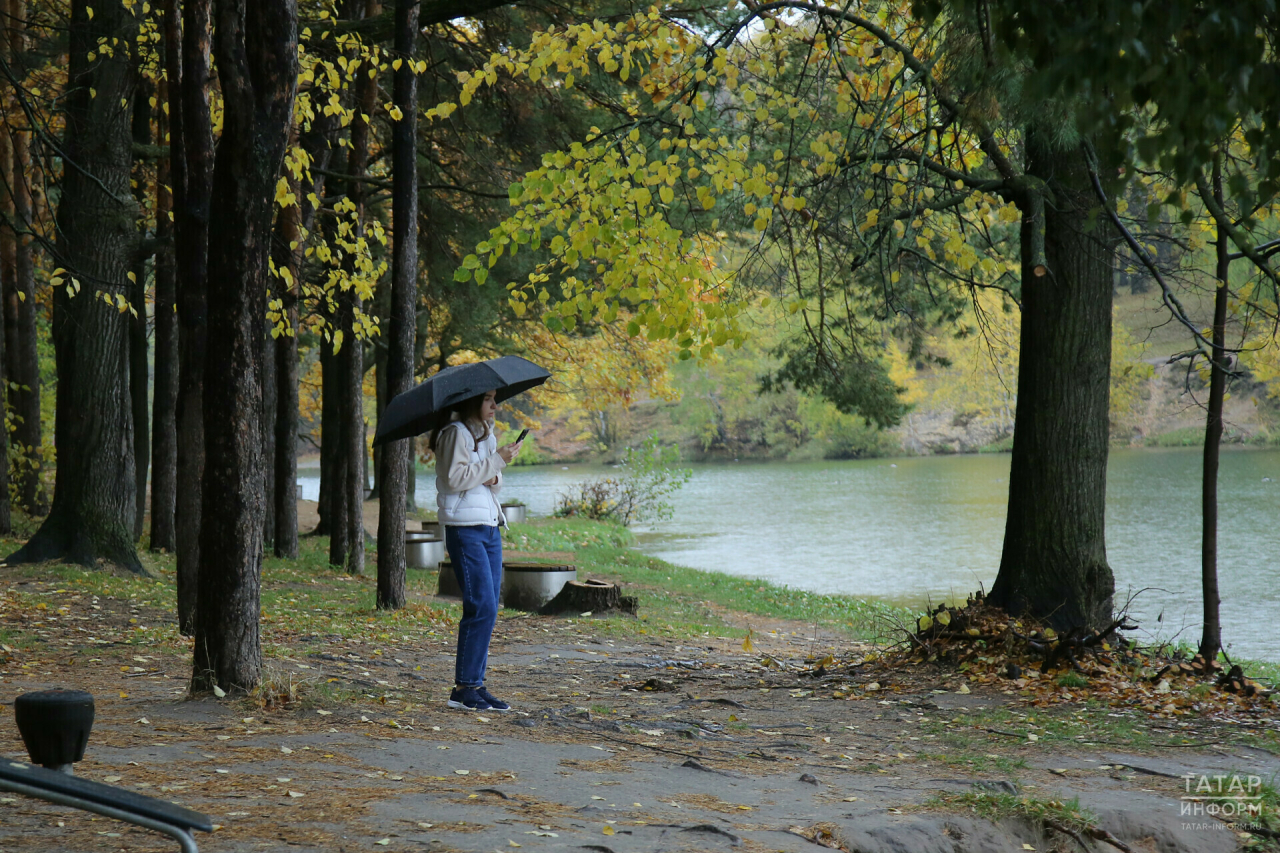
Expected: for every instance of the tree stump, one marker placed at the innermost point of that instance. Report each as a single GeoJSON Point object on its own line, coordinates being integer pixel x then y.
{"type": "Point", "coordinates": [590, 596]}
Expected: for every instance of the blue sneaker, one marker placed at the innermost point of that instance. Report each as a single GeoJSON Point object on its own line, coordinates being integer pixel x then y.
{"type": "Point", "coordinates": [467, 699]}
{"type": "Point", "coordinates": [494, 702]}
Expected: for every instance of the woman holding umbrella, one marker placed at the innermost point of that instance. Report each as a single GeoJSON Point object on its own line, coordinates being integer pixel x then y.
{"type": "Point", "coordinates": [469, 467]}
{"type": "Point", "coordinates": [459, 403]}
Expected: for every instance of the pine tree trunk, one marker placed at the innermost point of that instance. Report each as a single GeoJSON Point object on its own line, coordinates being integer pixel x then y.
{"type": "Point", "coordinates": [256, 45]}
{"type": "Point", "coordinates": [93, 508]}
{"type": "Point", "coordinates": [333, 471]}
{"type": "Point", "coordinates": [193, 146]}
{"type": "Point", "coordinates": [1211, 633]}
{"type": "Point", "coordinates": [270, 391]}
{"type": "Point", "coordinates": [139, 369]}
{"type": "Point", "coordinates": [22, 340]}
{"type": "Point", "coordinates": [1054, 563]}
{"type": "Point", "coordinates": [352, 355]}
{"type": "Point", "coordinates": [164, 446]}
{"type": "Point", "coordinates": [352, 364]}
{"type": "Point", "coordinates": [394, 481]}
{"type": "Point", "coordinates": [286, 358]}
{"type": "Point", "coordinates": [6, 516]}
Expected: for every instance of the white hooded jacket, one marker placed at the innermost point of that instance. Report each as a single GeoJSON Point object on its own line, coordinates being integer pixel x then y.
{"type": "Point", "coordinates": [462, 469]}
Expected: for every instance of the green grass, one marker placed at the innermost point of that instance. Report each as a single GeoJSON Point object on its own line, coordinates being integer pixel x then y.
{"type": "Point", "coordinates": [1091, 722]}
{"type": "Point", "coordinates": [1184, 437]}
{"type": "Point", "coordinates": [683, 599]}
{"type": "Point", "coordinates": [1039, 812]}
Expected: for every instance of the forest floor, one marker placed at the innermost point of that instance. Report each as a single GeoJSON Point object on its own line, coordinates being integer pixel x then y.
{"type": "Point", "coordinates": [669, 731]}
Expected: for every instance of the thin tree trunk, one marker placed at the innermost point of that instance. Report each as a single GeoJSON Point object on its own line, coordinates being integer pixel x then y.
{"type": "Point", "coordinates": [8, 270]}
{"type": "Point", "coordinates": [193, 145]}
{"type": "Point", "coordinates": [256, 44]}
{"type": "Point", "coordinates": [139, 370]}
{"type": "Point", "coordinates": [6, 518]}
{"type": "Point", "coordinates": [1211, 635]}
{"type": "Point", "coordinates": [269, 394]}
{"type": "Point", "coordinates": [397, 457]}
{"type": "Point", "coordinates": [93, 508]}
{"type": "Point", "coordinates": [22, 340]}
{"type": "Point", "coordinates": [350, 304]}
{"type": "Point", "coordinates": [1054, 563]}
{"type": "Point", "coordinates": [333, 473]}
{"type": "Point", "coordinates": [164, 446]}
{"type": "Point", "coordinates": [352, 363]}
{"type": "Point", "coordinates": [287, 251]}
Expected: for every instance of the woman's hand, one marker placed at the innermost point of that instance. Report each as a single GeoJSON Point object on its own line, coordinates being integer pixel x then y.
{"type": "Point", "coordinates": [509, 452]}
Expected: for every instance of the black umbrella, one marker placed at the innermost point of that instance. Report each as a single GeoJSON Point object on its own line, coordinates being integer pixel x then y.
{"type": "Point", "coordinates": [429, 405]}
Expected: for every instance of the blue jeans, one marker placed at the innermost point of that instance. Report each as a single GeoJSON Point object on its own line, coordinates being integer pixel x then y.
{"type": "Point", "coordinates": [476, 552]}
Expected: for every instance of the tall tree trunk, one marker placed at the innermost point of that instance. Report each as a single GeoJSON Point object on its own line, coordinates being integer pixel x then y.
{"type": "Point", "coordinates": [351, 363]}
{"type": "Point", "coordinates": [192, 143]}
{"type": "Point", "coordinates": [23, 355]}
{"type": "Point", "coordinates": [397, 457]}
{"type": "Point", "coordinates": [269, 394]}
{"type": "Point", "coordinates": [287, 252]}
{"type": "Point", "coordinates": [93, 507]}
{"type": "Point", "coordinates": [333, 472]}
{"type": "Point", "coordinates": [8, 266]}
{"type": "Point", "coordinates": [164, 446]}
{"type": "Point", "coordinates": [351, 394]}
{"type": "Point", "coordinates": [1211, 634]}
{"type": "Point", "coordinates": [139, 370]}
{"type": "Point", "coordinates": [6, 516]}
{"type": "Point", "coordinates": [1054, 563]}
{"type": "Point", "coordinates": [256, 44]}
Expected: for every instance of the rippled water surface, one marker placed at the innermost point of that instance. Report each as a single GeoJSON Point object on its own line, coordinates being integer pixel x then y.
{"type": "Point", "coordinates": [912, 530]}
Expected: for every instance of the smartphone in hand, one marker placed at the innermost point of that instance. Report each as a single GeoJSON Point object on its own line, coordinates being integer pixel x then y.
{"type": "Point", "coordinates": [520, 437]}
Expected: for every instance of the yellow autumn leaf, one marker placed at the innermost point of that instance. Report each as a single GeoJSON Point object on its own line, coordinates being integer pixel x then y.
{"type": "Point", "coordinates": [608, 830]}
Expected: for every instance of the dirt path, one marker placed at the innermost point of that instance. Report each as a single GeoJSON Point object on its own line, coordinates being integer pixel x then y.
{"type": "Point", "coordinates": [617, 745]}
{"type": "Point", "coordinates": [309, 516]}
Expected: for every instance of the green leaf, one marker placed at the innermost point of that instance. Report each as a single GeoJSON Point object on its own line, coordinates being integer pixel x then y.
{"type": "Point", "coordinates": [482, 275]}
{"type": "Point", "coordinates": [462, 274]}
{"type": "Point", "coordinates": [471, 262]}
{"type": "Point", "coordinates": [515, 191]}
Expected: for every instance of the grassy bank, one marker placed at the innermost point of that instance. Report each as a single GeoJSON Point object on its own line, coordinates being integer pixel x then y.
{"type": "Point", "coordinates": [682, 601]}
{"type": "Point", "coordinates": [307, 603]}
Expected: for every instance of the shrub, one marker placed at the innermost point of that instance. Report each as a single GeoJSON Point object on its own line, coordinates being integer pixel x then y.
{"type": "Point", "coordinates": [640, 495]}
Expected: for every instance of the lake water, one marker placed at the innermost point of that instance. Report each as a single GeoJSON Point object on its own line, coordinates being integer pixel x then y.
{"type": "Point", "coordinates": [910, 531]}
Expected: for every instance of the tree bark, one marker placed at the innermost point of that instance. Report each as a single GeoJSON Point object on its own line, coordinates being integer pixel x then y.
{"type": "Point", "coordinates": [93, 507]}
{"type": "Point", "coordinates": [6, 516]}
{"type": "Point", "coordinates": [192, 144]}
{"type": "Point", "coordinates": [1211, 633]}
{"type": "Point", "coordinates": [270, 391]}
{"type": "Point", "coordinates": [164, 446]}
{"type": "Point", "coordinates": [333, 473]}
{"type": "Point", "coordinates": [397, 457]}
{"type": "Point", "coordinates": [23, 355]}
{"type": "Point", "coordinates": [351, 357]}
{"type": "Point", "coordinates": [1054, 563]}
{"type": "Point", "coordinates": [256, 45]}
{"type": "Point", "coordinates": [287, 250]}
{"type": "Point", "coordinates": [139, 369]}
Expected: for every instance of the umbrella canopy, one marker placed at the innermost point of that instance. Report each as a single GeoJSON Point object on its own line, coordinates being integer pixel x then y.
{"type": "Point", "coordinates": [429, 405]}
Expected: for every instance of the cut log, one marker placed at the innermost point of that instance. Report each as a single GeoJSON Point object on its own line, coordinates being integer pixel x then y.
{"type": "Point", "coordinates": [590, 596]}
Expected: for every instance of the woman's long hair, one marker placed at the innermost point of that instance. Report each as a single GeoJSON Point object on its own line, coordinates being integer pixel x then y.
{"type": "Point", "coordinates": [468, 412]}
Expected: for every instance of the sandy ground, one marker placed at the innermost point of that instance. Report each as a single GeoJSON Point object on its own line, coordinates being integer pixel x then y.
{"type": "Point", "coordinates": [309, 517]}
{"type": "Point", "coordinates": [616, 745]}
